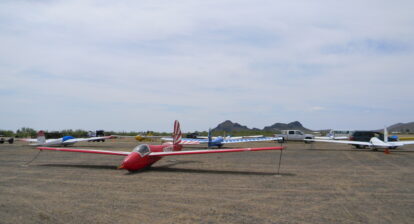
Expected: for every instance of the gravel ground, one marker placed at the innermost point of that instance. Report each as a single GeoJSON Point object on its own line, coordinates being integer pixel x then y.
{"type": "Point", "coordinates": [320, 183]}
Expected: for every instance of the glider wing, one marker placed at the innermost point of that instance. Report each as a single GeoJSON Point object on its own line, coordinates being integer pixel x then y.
{"type": "Point", "coordinates": [206, 151]}
{"type": "Point", "coordinates": [107, 152]}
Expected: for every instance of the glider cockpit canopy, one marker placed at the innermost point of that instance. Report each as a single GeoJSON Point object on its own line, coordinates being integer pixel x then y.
{"type": "Point", "coordinates": [143, 150]}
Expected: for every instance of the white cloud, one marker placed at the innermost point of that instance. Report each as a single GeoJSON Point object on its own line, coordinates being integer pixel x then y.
{"type": "Point", "coordinates": [203, 62]}
{"type": "Point", "coordinates": [316, 108]}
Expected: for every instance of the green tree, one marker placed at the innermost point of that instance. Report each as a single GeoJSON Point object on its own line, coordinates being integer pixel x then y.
{"type": "Point", "coordinates": [25, 132]}
{"type": "Point", "coordinates": [7, 133]}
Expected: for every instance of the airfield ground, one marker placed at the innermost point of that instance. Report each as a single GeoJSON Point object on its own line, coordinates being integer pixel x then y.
{"type": "Point", "coordinates": [327, 184]}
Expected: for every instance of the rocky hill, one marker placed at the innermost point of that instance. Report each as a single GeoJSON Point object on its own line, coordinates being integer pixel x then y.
{"type": "Point", "coordinates": [296, 125]}
{"type": "Point", "coordinates": [402, 127]}
{"type": "Point", "coordinates": [229, 126]}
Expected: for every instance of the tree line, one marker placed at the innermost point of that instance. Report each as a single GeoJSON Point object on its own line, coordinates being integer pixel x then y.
{"type": "Point", "coordinates": [26, 132]}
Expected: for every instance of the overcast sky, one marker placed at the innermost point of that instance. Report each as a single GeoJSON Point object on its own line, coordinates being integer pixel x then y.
{"type": "Point", "coordinates": [139, 65]}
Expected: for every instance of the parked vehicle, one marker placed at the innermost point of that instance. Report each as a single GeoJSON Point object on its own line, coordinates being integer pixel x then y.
{"type": "Point", "coordinates": [365, 136]}
{"type": "Point", "coordinates": [9, 140]}
{"type": "Point", "coordinates": [294, 135]}
{"type": "Point", "coordinates": [98, 133]}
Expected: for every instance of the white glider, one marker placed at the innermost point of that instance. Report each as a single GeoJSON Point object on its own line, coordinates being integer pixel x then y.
{"type": "Point", "coordinates": [64, 141]}
{"type": "Point", "coordinates": [374, 142]}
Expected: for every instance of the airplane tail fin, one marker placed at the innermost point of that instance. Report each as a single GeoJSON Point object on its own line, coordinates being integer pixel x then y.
{"type": "Point", "coordinates": [209, 137]}
{"type": "Point", "coordinates": [177, 133]}
{"type": "Point", "coordinates": [331, 134]}
{"type": "Point", "coordinates": [41, 139]}
{"type": "Point", "coordinates": [385, 135]}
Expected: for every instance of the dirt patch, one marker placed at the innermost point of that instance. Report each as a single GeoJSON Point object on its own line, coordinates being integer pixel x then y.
{"type": "Point", "coordinates": [326, 184]}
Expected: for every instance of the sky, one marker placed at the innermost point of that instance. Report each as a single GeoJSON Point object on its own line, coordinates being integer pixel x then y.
{"type": "Point", "coordinates": [135, 65]}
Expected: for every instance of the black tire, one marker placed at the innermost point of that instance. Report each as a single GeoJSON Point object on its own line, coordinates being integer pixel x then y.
{"type": "Point", "coordinates": [307, 142]}
{"type": "Point", "coordinates": [11, 140]}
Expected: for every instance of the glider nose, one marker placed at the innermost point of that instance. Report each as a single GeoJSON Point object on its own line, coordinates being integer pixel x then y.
{"type": "Point", "coordinates": [133, 162]}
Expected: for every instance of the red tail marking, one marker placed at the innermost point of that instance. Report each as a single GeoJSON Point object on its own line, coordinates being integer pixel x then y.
{"type": "Point", "coordinates": [177, 133]}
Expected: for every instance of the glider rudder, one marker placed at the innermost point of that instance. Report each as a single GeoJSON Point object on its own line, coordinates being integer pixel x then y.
{"type": "Point", "coordinates": [177, 133]}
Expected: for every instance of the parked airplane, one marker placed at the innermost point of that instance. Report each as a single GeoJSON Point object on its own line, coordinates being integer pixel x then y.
{"type": "Point", "coordinates": [335, 135]}
{"type": "Point", "coordinates": [220, 141]}
{"type": "Point", "coordinates": [229, 137]}
{"type": "Point", "coordinates": [144, 155]}
{"type": "Point", "coordinates": [141, 138]}
{"type": "Point", "coordinates": [64, 141]}
{"type": "Point", "coordinates": [374, 143]}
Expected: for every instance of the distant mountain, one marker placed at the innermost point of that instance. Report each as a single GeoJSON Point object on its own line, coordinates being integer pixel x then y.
{"type": "Point", "coordinates": [402, 127]}
{"type": "Point", "coordinates": [296, 125]}
{"type": "Point", "coordinates": [229, 126]}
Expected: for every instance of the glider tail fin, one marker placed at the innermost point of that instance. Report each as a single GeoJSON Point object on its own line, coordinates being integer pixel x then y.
{"type": "Point", "coordinates": [41, 139]}
{"type": "Point", "coordinates": [385, 135]}
{"type": "Point", "coordinates": [177, 133]}
{"type": "Point", "coordinates": [210, 139]}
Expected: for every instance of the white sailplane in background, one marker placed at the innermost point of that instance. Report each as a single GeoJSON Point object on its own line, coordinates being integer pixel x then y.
{"type": "Point", "coordinates": [220, 141]}
{"type": "Point", "coordinates": [333, 136]}
{"type": "Point", "coordinates": [64, 141]}
{"type": "Point", "coordinates": [374, 143]}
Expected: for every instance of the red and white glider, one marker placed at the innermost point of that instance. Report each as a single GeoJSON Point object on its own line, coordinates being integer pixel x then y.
{"type": "Point", "coordinates": [145, 155]}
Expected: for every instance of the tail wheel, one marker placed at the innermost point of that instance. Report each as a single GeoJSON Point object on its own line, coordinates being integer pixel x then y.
{"type": "Point", "coordinates": [281, 140]}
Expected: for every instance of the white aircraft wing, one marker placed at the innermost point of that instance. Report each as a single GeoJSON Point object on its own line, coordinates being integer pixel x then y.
{"type": "Point", "coordinates": [226, 141]}
{"type": "Point", "coordinates": [86, 139]}
{"type": "Point", "coordinates": [253, 136]}
{"type": "Point", "coordinates": [340, 142]}
{"type": "Point", "coordinates": [187, 141]}
{"type": "Point", "coordinates": [332, 138]}
{"type": "Point", "coordinates": [32, 140]}
{"type": "Point", "coordinates": [401, 143]}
